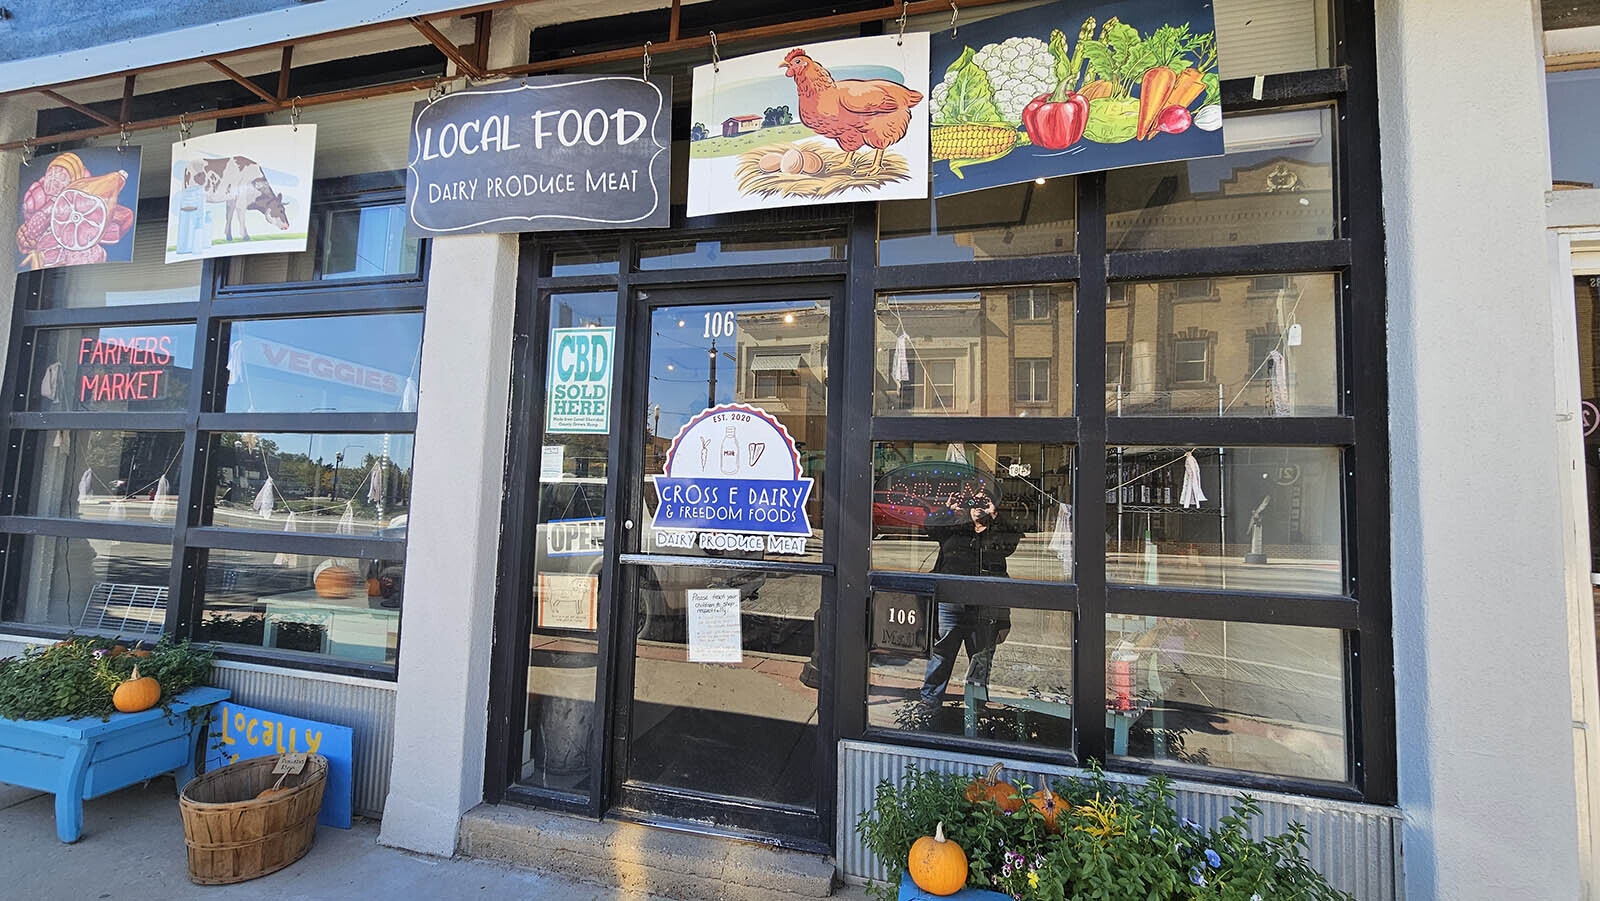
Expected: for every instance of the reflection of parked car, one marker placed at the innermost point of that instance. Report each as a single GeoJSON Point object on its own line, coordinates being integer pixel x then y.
{"type": "Point", "coordinates": [897, 511]}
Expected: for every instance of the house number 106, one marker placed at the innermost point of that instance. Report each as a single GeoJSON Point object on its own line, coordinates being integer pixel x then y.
{"type": "Point", "coordinates": [901, 616]}
{"type": "Point", "coordinates": [719, 325]}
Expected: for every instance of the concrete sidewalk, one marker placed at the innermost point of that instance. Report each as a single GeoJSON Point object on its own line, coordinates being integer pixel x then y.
{"type": "Point", "coordinates": [132, 846]}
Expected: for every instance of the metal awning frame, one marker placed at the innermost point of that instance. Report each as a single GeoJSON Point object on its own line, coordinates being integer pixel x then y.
{"type": "Point", "coordinates": [470, 62]}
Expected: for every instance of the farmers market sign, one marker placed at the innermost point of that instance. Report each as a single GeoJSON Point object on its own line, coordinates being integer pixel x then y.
{"type": "Point", "coordinates": [558, 152]}
{"type": "Point", "coordinates": [1073, 87]}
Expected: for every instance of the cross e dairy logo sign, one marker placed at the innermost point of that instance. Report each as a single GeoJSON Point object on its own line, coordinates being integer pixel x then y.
{"type": "Point", "coordinates": [580, 380]}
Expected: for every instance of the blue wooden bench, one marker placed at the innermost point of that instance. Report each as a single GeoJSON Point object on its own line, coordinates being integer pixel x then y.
{"type": "Point", "coordinates": [84, 757]}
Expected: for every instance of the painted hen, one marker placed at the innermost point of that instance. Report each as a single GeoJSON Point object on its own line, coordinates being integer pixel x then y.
{"type": "Point", "coordinates": [854, 112]}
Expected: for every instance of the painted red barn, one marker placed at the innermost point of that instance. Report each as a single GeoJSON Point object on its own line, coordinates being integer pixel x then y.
{"type": "Point", "coordinates": [734, 126]}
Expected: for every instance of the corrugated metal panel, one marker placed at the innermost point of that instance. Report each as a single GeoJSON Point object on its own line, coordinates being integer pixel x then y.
{"type": "Point", "coordinates": [1356, 845]}
{"type": "Point", "coordinates": [366, 706]}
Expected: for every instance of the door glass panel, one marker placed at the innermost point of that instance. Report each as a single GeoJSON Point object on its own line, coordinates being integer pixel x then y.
{"type": "Point", "coordinates": [772, 357]}
{"type": "Point", "coordinates": [746, 727]}
{"type": "Point", "coordinates": [562, 651]}
{"type": "Point", "coordinates": [726, 671]}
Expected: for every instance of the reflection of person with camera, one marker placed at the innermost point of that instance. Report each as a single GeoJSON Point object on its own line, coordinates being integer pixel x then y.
{"type": "Point", "coordinates": [973, 541]}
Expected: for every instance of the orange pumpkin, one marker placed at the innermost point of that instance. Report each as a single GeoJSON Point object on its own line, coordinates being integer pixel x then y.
{"type": "Point", "coordinates": [336, 582]}
{"type": "Point", "coordinates": [938, 866]}
{"type": "Point", "coordinates": [1051, 806]}
{"type": "Point", "coordinates": [137, 693]}
{"type": "Point", "coordinates": [978, 789]}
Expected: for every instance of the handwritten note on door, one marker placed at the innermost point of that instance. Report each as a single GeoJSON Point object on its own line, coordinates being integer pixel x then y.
{"type": "Point", "coordinates": [714, 633]}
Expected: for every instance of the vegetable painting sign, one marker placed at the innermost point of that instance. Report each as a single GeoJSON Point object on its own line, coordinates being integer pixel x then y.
{"type": "Point", "coordinates": [813, 123]}
{"type": "Point", "coordinates": [1068, 88]}
{"type": "Point", "coordinates": [732, 482]}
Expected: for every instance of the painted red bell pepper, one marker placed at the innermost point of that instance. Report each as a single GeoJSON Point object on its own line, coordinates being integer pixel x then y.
{"type": "Point", "coordinates": [1055, 124]}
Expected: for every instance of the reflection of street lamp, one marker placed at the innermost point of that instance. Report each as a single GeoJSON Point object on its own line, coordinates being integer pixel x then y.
{"type": "Point", "coordinates": [711, 383]}
{"type": "Point", "coordinates": [338, 459]}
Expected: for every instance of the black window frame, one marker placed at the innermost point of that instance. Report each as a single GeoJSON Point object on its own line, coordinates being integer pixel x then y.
{"type": "Point", "coordinates": [190, 537]}
{"type": "Point", "coordinates": [1354, 256]}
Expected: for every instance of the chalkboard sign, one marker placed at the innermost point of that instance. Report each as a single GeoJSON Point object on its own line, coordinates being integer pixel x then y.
{"type": "Point", "coordinates": [559, 152]}
{"type": "Point", "coordinates": [902, 622]}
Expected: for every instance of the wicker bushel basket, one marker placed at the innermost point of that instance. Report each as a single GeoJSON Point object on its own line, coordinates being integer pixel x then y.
{"type": "Point", "coordinates": [233, 836]}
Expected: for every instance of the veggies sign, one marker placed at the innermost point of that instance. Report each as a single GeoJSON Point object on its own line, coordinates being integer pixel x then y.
{"type": "Point", "coordinates": [1068, 88]}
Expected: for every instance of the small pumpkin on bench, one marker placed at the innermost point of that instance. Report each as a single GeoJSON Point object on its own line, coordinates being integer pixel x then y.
{"type": "Point", "coordinates": [136, 693]}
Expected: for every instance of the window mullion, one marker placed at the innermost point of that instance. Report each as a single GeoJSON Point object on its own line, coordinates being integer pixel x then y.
{"type": "Point", "coordinates": [1089, 530]}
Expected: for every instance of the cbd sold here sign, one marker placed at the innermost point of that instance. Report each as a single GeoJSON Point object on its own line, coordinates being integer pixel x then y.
{"type": "Point", "coordinates": [580, 380]}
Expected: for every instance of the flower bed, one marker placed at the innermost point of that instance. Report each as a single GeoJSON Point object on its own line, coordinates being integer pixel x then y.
{"type": "Point", "coordinates": [1084, 838]}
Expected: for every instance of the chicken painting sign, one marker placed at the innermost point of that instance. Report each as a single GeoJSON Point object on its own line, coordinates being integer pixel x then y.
{"type": "Point", "coordinates": [813, 123]}
{"type": "Point", "coordinates": [1073, 87]}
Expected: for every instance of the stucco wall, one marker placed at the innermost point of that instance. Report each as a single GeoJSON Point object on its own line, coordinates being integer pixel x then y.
{"type": "Point", "coordinates": [1485, 750]}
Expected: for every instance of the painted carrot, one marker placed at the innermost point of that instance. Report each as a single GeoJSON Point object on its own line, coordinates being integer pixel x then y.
{"type": "Point", "coordinates": [1153, 91]}
{"type": "Point", "coordinates": [1190, 85]}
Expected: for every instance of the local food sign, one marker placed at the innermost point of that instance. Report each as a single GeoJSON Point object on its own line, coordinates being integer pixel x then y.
{"type": "Point", "coordinates": [580, 380]}
{"type": "Point", "coordinates": [558, 152]}
{"type": "Point", "coordinates": [732, 482]}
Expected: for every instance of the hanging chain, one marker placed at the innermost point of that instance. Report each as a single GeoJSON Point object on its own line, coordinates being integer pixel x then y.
{"type": "Point", "coordinates": [294, 114]}
{"type": "Point", "coordinates": [905, 10]}
{"type": "Point", "coordinates": [122, 137]}
{"type": "Point", "coordinates": [954, 14]}
{"type": "Point", "coordinates": [646, 75]}
{"type": "Point", "coordinates": [716, 58]}
{"type": "Point", "coordinates": [184, 129]}
{"type": "Point", "coordinates": [27, 152]}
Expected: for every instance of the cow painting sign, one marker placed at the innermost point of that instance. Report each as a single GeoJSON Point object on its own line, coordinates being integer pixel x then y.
{"type": "Point", "coordinates": [241, 192]}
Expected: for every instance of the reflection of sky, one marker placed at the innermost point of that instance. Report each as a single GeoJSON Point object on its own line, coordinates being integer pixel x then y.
{"type": "Point", "coordinates": [181, 345]}
{"type": "Point", "coordinates": [390, 343]}
{"type": "Point", "coordinates": [680, 359]}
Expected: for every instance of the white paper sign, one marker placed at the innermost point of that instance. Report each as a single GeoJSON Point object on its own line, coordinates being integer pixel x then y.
{"type": "Point", "coordinates": [714, 632]}
{"type": "Point", "coordinates": [241, 192]}
{"type": "Point", "coordinates": [550, 462]}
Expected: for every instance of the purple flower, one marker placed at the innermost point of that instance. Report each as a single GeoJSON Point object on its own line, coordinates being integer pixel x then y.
{"type": "Point", "coordinates": [1196, 877]}
{"type": "Point", "coordinates": [99, 654]}
{"type": "Point", "coordinates": [1213, 858]}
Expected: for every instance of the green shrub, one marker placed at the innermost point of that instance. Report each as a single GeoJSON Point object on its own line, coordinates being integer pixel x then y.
{"type": "Point", "coordinates": [77, 676]}
{"type": "Point", "coordinates": [1116, 842]}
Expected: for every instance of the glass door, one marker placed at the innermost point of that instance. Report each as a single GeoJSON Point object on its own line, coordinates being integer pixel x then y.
{"type": "Point", "coordinates": [727, 564]}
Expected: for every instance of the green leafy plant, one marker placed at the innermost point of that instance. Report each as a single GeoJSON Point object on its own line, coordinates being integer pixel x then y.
{"type": "Point", "coordinates": [1115, 841]}
{"type": "Point", "coordinates": [77, 676]}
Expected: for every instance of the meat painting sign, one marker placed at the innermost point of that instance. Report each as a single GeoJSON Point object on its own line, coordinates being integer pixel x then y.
{"type": "Point", "coordinates": [810, 124]}
{"type": "Point", "coordinates": [241, 192]}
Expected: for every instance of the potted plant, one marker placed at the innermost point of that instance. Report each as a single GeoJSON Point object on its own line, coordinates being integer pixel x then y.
{"type": "Point", "coordinates": [1082, 838]}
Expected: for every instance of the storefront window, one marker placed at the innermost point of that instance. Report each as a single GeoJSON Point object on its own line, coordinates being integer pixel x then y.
{"type": "Point", "coordinates": [321, 484]}
{"type": "Point", "coordinates": [1012, 221]}
{"type": "Point", "coordinates": [147, 279]}
{"type": "Point", "coordinates": [351, 242]}
{"type": "Point", "coordinates": [109, 476]}
{"type": "Point", "coordinates": [329, 364]}
{"type": "Point", "coordinates": [980, 352]}
{"type": "Point", "coordinates": [337, 607]}
{"type": "Point", "coordinates": [569, 546]}
{"type": "Point", "coordinates": [142, 368]}
{"type": "Point", "coordinates": [1212, 693]}
{"type": "Point", "coordinates": [1264, 345]}
{"type": "Point", "coordinates": [1248, 519]}
{"type": "Point", "coordinates": [1275, 184]}
{"type": "Point", "coordinates": [96, 585]}
{"type": "Point", "coordinates": [998, 510]}
{"type": "Point", "coordinates": [996, 673]}
{"type": "Point", "coordinates": [752, 250]}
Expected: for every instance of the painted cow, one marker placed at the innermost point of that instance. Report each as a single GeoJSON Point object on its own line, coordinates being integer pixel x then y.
{"type": "Point", "coordinates": [238, 182]}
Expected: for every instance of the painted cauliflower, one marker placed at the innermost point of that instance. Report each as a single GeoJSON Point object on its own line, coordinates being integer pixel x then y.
{"type": "Point", "coordinates": [1019, 69]}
